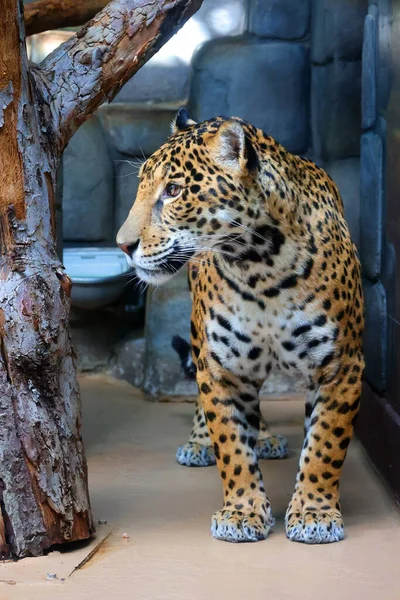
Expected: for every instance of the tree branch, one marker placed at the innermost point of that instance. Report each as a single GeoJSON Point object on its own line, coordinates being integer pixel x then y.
{"type": "Point", "coordinates": [54, 14]}
{"type": "Point", "coordinates": [92, 66]}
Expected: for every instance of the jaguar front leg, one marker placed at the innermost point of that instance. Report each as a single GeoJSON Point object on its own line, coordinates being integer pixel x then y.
{"type": "Point", "coordinates": [231, 409]}
{"type": "Point", "coordinates": [314, 514]}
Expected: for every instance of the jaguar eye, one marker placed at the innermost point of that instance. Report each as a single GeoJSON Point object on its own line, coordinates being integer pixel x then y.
{"type": "Point", "coordinates": [172, 190]}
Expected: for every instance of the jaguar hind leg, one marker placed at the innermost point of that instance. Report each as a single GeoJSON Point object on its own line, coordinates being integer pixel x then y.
{"type": "Point", "coordinates": [270, 445]}
{"type": "Point", "coordinates": [198, 451]}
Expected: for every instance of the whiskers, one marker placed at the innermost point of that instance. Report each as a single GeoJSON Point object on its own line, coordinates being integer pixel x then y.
{"type": "Point", "coordinates": [138, 283]}
{"type": "Point", "coordinates": [135, 164]}
{"type": "Point", "coordinates": [223, 238]}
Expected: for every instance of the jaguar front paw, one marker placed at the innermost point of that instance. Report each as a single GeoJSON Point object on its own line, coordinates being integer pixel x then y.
{"type": "Point", "coordinates": [314, 527]}
{"type": "Point", "coordinates": [238, 526]}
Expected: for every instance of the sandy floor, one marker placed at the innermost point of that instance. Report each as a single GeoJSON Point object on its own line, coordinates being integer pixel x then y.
{"type": "Point", "coordinates": [165, 509]}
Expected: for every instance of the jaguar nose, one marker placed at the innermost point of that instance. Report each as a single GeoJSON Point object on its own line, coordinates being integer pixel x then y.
{"type": "Point", "coordinates": [129, 249]}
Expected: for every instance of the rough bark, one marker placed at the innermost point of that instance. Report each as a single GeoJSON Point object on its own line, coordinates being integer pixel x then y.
{"type": "Point", "coordinates": [55, 14]}
{"type": "Point", "coordinates": [43, 477]}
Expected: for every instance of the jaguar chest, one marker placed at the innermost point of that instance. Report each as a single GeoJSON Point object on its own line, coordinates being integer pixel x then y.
{"type": "Point", "coordinates": [253, 340]}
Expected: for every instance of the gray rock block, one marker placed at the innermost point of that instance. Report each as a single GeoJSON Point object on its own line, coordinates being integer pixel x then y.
{"type": "Point", "coordinates": [130, 360]}
{"type": "Point", "coordinates": [285, 19]}
{"type": "Point", "coordinates": [335, 106]}
{"type": "Point", "coordinates": [134, 130]}
{"type": "Point", "coordinates": [94, 336]}
{"type": "Point", "coordinates": [346, 174]}
{"type": "Point", "coordinates": [265, 83]}
{"type": "Point", "coordinates": [157, 84]}
{"type": "Point", "coordinates": [167, 314]}
{"type": "Point", "coordinates": [87, 186]}
{"type": "Point", "coordinates": [369, 109]}
{"type": "Point", "coordinates": [126, 186]}
{"type": "Point", "coordinates": [375, 335]}
{"type": "Point", "coordinates": [385, 52]}
{"type": "Point", "coordinates": [373, 10]}
{"type": "Point", "coordinates": [279, 383]}
{"type": "Point", "coordinates": [371, 221]}
{"type": "Point", "coordinates": [337, 29]}
{"type": "Point", "coordinates": [381, 130]}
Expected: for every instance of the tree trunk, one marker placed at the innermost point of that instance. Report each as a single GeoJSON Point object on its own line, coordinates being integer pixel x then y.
{"type": "Point", "coordinates": [54, 14]}
{"type": "Point", "coordinates": [43, 477]}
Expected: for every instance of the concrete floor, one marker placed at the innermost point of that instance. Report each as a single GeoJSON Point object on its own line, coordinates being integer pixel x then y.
{"type": "Point", "coordinates": [165, 509]}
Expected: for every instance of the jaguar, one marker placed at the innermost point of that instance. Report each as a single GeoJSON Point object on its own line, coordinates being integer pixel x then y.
{"type": "Point", "coordinates": [276, 286]}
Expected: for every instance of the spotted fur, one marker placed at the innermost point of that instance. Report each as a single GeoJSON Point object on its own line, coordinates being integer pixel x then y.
{"type": "Point", "coordinates": [276, 285]}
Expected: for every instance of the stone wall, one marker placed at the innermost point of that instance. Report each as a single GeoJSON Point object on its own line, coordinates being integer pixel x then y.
{"type": "Point", "coordinates": [292, 67]}
{"type": "Point", "coordinates": [378, 424]}
{"type": "Point", "coordinates": [378, 255]}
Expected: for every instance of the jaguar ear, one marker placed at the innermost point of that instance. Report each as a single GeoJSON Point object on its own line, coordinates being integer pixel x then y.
{"type": "Point", "coordinates": [182, 121]}
{"type": "Point", "coordinates": [231, 143]}
{"type": "Point", "coordinates": [233, 148]}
